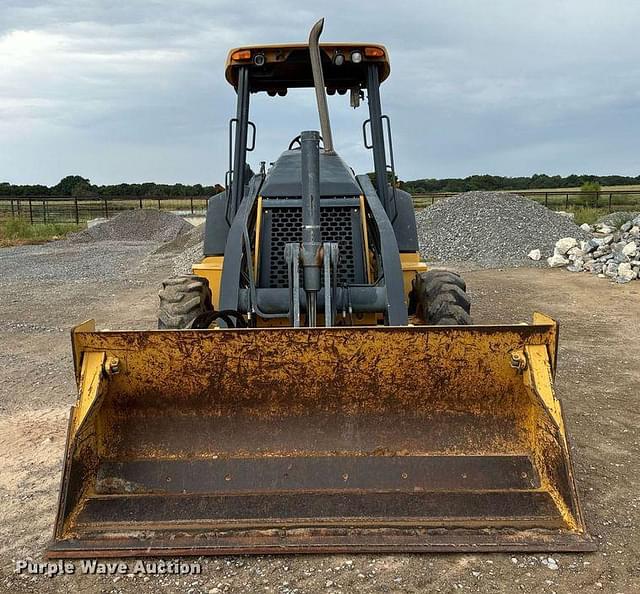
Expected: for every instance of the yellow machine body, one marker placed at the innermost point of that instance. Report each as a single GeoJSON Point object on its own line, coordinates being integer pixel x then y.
{"type": "Point", "coordinates": [210, 267]}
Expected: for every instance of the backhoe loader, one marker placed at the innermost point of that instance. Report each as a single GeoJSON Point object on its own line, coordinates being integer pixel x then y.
{"type": "Point", "coordinates": [312, 386]}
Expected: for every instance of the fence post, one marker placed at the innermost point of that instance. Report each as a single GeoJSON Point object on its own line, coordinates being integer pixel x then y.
{"type": "Point", "coordinates": [75, 200]}
{"type": "Point", "coordinates": [12, 213]}
{"type": "Point", "coordinates": [433, 199]}
{"type": "Point", "coordinates": [191, 204]}
{"type": "Point", "coordinates": [158, 203]}
{"type": "Point", "coordinates": [140, 203]}
{"type": "Point", "coordinates": [597, 198]}
{"type": "Point", "coordinates": [566, 202]}
{"type": "Point", "coordinates": [30, 212]}
{"type": "Point", "coordinates": [609, 201]}
{"type": "Point", "coordinates": [546, 199]}
{"type": "Point", "coordinates": [44, 210]}
{"type": "Point", "coordinates": [106, 209]}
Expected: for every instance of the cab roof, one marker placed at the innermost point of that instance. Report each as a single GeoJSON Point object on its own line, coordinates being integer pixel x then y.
{"type": "Point", "coordinates": [276, 68]}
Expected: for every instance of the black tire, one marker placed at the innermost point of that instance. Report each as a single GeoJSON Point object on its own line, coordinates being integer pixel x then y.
{"type": "Point", "coordinates": [182, 299]}
{"type": "Point", "coordinates": [439, 298]}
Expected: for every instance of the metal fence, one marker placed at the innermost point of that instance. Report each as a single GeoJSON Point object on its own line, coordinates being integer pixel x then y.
{"type": "Point", "coordinates": [558, 199]}
{"type": "Point", "coordinates": [65, 209]}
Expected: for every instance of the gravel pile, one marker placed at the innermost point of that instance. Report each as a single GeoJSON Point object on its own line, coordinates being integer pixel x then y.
{"type": "Point", "coordinates": [612, 253]}
{"type": "Point", "coordinates": [136, 225]}
{"type": "Point", "coordinates": [184, 241]}
{"type": "Point", "coordinates": [615, 219]}
{"type": "Point", "coordinates": [491, 229]}
{"type": "Point", "coordinates": [190, 252]}
{"type": "Point", "coordinates": [183, 251]}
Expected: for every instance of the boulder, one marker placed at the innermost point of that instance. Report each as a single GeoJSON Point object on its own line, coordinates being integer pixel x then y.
{"type": "Point", "coordinates": [534, 255]}
{"type": "Point", "coordinates": [590, 246]}
{"type": "Point", "coordinates": [611, 269]}
{"type": "Point", "coordinates": [565, 244]}
{"type": "Point", "coordinates": [625, 273]}
{"type": "Point", "coordinates": [631, 249]}
{"type": "Point", "coordinates": [557, 260]}
{"type": "Point", "coordinates": [592, 266]}
{"type": "Point", "coordinates": [577, 266]}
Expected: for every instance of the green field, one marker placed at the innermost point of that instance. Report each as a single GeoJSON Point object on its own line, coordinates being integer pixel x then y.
{"type": "Point", "coordinates": [20, 232]}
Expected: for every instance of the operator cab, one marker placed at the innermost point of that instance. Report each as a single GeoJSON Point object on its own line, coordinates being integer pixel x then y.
{"type": "Point", "coordinates": [353, 68]}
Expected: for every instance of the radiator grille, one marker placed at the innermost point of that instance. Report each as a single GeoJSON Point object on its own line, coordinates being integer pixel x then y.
{"type": "Point", "coordinates": [337, 226]}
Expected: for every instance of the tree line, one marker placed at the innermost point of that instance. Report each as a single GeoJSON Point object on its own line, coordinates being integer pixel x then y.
{"type": "Point", "coordinates": [538, 181]}
{"type": "Point", "coordinates": [77, 186]}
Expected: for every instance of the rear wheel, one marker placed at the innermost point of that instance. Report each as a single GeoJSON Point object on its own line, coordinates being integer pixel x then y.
{"type": "Point", "coordinates": [182, 299]}
{"type": "Point", "coordinates": [439, 298]}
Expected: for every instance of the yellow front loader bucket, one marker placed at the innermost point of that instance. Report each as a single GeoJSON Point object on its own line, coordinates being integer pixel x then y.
{"type": "Point", "coordinates": [282, 440]}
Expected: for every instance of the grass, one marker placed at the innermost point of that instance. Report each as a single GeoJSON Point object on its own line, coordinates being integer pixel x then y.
{"type": "Point", "coordinates": [20, 232]}
{"type": "Point", "coordinates": [583, 214]}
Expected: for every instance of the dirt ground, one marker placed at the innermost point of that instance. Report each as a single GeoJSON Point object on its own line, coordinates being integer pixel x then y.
{"type": "Point", "coordinates": [46, 289]}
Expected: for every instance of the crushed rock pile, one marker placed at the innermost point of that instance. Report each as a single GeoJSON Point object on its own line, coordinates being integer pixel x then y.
{"type": "Point", "coordinates": [610, 253]}
{"type": "Point", "coordinates": [136, 225]}
{"type": "Point", "coordinates": [617, 218]}
{"type": "Point", "coordinates": [190, 251]}
{"type": "Point", "coordinates": [491, 229]}
{"type": "Point", "coordinates": [184, 241]}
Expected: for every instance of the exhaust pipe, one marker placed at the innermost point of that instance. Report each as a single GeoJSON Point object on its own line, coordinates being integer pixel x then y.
{"type": "Point", "coordinates": [318, 83]}
{"type": "Point", "coordinates": [311, 247]}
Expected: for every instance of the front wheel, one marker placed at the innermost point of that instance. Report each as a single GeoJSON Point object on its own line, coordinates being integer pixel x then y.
{"type": "Point", "coordinates": [439, 298]}
{"type": "Point", "coordinates": [182, 299]}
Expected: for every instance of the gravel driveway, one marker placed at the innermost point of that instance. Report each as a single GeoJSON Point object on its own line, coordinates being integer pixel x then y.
{"type": "Point", "coordinates": [46, 289]}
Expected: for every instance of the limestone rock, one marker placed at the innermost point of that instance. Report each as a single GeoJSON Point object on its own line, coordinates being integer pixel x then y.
{"type": "Point", "coordinates": [565, 244]}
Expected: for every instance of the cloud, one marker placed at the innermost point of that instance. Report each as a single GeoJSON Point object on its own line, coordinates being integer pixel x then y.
{"type": "Point", "coordinates": [135, 91]}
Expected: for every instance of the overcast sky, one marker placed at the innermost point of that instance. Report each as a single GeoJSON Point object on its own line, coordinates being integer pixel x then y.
{"type": "Point", "coordinates": [134, 91]}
